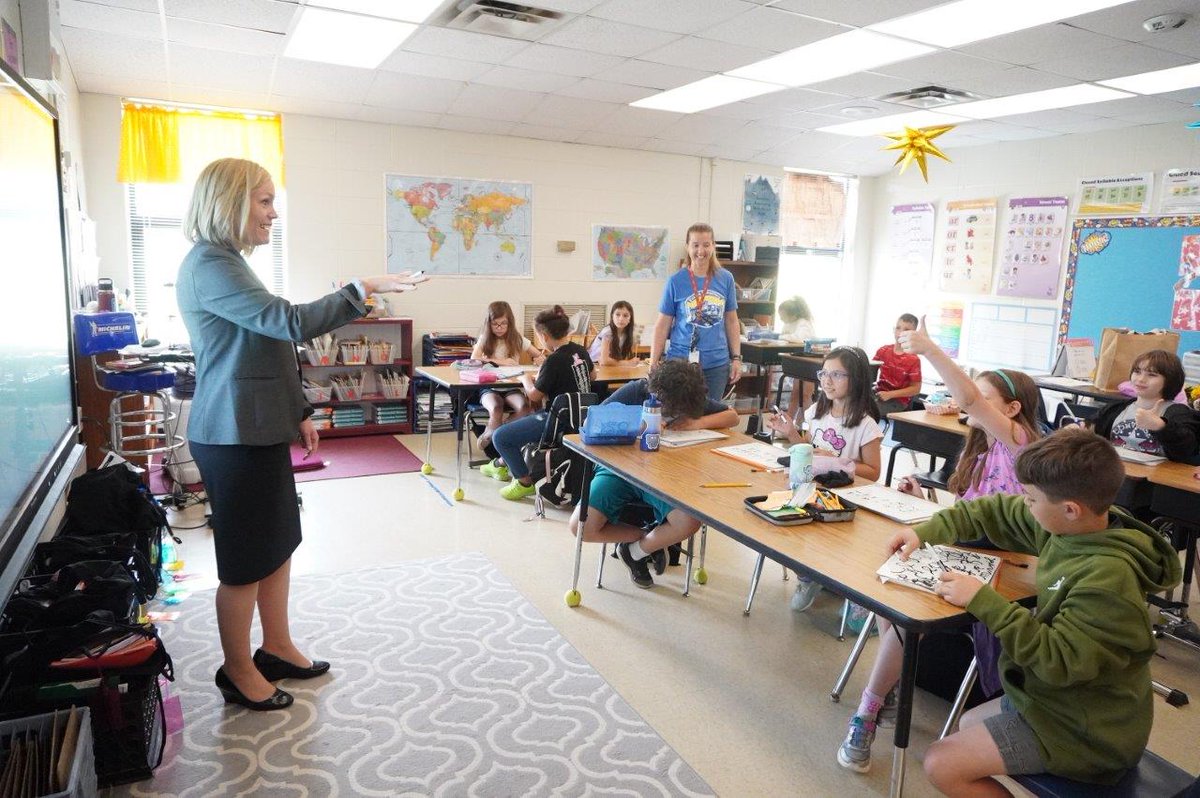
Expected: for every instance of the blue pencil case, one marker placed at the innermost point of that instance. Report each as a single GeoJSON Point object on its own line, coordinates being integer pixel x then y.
{"type": "Point", "coordinates": [613, 424]}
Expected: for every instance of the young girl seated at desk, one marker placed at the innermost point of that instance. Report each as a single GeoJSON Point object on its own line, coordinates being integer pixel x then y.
{"type": "Point", "coordinates": [1152, 422]}
{"type": "Point", "coordinates": [567, 369]}
{"type": "Point", "coordinates": [614, 345]}
{"type": "Point", "coordinates": [844, 431]}
{"type": "Point", "coordinates": [1001, 409]}
{"type": "Point", "coordinates": [500, 342]}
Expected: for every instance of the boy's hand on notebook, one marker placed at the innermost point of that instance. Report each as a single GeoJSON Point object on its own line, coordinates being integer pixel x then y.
{"type": "Point", "coordinates": [956, 588]}
{"type": "Point", "coordinates": [905, 541]}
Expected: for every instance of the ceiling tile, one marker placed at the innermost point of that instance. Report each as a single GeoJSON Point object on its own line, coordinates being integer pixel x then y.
{"type": "Point", "coordinates": [1168, 112]}
{"type": "Point", "coordinates": [569, 112]}
{"type": "Point", "coordinates": [1185, 96]}
{"type": "Point", "coordinates": [605, 36]}
{"type": "Point", "coordinates": [740, 110]}
{"type": "Point", "coordinates": [324, 108]}
{"type": "Point", "coordinates": [224, 37]}
{"type": "Point", "coordinates": [508, 105]}
{"type": "Point", "coordinates": [412, 93]}
{"type": "Point", "coordinates": [544, 132]}
{"type": "Point", "coordinates": [229, 98]}
{"type": "Point", "coordinates": [802, 120]}
{"type": "Point", "coordinates": [324, 82]}
{"type": "Point", "coordinates": [654, 76]}
{"type": "Point", "coordinates": [758, 136]}
{"type": "Point", "coordinates": [1125, 21]}
{"type": "Point", "coordinates": [433, 66]}
{"type": "Point", "coordinates": [796, 99]}
{"type": "Point", "coordinates": [704, 131]}
{"type": "Point", "coordinates": [771, 29]}
{"type": "Point", "coordinates": [581, 64]}
{"type": "Point", "coordinates": [863, 84]}
{"type": "Point", "coordinates": [680, 147]}
{"type": "Point", "coordinates": [603, 138]}
{"type": "Point", "coordinates": [638, 121]}
{"type": "Point", "coordinates": [943, 68]}
{"type": "Point", "coordinates": [238, 71]}
{"type": "Point", "coordinates": [102, 53]}
{"type": "Point", "coordinates": [733, 152]}
{"type": "Point", "coordinates": [136, 5]}
{"type": "Point", "coordinates": [858, 13]}
{"type": "Point", "coordinates": [834, 110]}
{"type": "Point", "coordinates": [1155, 103]}
{"type": "Point", "coordinates": [1054, 119]}
{"type": "Point", "coordinates": [605, 91]}
{"type": "Point", "coordinates": [397, 116]}
{"type": "Point", "coordinates": [1018, 133]}
{"type": "Point", "coordinates": [463, 45]}
{"type": "Point", "coordinates": [1014, 80]}
{"type": "Point", "coordinates": [265, 15]}
{"type": "Point", "coordinates": [698, 53]}
{"type": "Point", "coordinates": [1112, 62]}
{"type": "Point", "coordinates": [1031, 46]}
{"type": "Point", "coordinates": [128, 22]}
{"type": "Point", "coordinates": [474, 124]}
{"type": "Point", "coordinates": [677, 16]}
{"type": "Point", "coordinates": [525, 79]}
{"type": "Point", "coordinates": [122, 86]}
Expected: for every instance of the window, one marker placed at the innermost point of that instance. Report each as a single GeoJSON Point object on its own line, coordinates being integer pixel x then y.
{"type": "Point", "coordinates": [157, 247]}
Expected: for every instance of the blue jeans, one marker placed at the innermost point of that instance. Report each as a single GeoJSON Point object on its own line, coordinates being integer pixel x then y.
{"type": "Point", "coordinates": [510, 437]}
{"type": "Point", "coordinates": [717, 378]}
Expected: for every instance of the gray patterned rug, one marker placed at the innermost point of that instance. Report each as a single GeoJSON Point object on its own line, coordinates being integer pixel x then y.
{"type": "Point", "coordinates": [445, 682]}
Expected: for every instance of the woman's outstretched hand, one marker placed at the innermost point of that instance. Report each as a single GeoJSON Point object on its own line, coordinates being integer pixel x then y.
{"type": "Point", "coordinates": [394, 283]}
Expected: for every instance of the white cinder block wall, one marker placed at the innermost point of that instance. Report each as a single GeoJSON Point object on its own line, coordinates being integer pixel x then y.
{"type": "Point", "coordinates": [1039, 167]}
{"type": "Point", "coordinates": [335, 207]}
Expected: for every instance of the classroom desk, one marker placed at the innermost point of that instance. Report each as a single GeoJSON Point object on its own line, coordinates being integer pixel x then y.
{"type": "Point", "coordinates": [805, 367]}
{"type": "Point", "coordinates": [1077, 388]}
{"type": "Point", "coordinates": [929, 433]}
{"type": "Point", "coordinates": [762, 355]}
{"type": "Point", "coordinates": [1175, 494]}
{"type": "Point", "coordinates": [841, 556]}
{"type": "Point", "coordinates": [450, 378]}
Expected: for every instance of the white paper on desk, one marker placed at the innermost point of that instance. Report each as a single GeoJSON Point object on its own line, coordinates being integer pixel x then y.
{"type": "Point", "coordinates": [1065, 382]}
{"type": "Point", "coordinates": [924, 567]}
{"type": "Point", "coordinates": [1134, 456]}
{"type": "Point", "coordinates": [890, 503]}
{"type": "Point", "coordinates": [689, 437]}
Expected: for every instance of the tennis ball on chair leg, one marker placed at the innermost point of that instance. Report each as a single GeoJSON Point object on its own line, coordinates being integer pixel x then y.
{"type": "Point", "coordinates": [701, 576]}
{"type": "Point", "coordinates": [459, 494]}
{"type": "Point", "coordinates": [573, 598]}
{"type": "Point", "coordinates": [427, 468]}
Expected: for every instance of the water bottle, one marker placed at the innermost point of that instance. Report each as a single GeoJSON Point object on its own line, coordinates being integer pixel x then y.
{"type": "Point", "coordinates": [168, 559]}
{"type": "Point", "coordinates": [800, 469]}
{"type": "Point", "coordinates": [651, 424]}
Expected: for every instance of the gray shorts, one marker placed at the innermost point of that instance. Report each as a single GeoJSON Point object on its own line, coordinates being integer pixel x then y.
{"type": "Point", "coordinates": [1014, 737]}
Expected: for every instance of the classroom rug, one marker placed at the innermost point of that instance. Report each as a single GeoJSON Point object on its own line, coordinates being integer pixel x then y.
{"type": "Point", "coordinates": [445, 682]}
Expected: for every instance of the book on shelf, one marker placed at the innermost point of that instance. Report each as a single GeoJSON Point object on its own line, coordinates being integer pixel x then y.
{"type": "Point", "coordinates": [924, 567]}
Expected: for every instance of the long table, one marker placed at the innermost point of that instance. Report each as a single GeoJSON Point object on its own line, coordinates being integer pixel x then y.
{"type": "Point", "coordinates": [841, 556]}
{"type": "Point", "coordinates": [450, 378]}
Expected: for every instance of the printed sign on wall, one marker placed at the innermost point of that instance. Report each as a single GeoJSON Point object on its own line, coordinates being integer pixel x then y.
{"type": "Point", "coordinates": [965, 262]}
{"type": "Point", "coordinates": [1033, 231]}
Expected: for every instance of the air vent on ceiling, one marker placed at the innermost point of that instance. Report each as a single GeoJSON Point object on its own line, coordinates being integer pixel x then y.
{"type": "Point", "coordinates": [928, 97]}
{"type": "Point", "coordinates": [497, 18]}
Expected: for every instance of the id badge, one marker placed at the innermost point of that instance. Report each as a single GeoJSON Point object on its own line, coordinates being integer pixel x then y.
{"type": "Point", "coordinates": [694, 356]}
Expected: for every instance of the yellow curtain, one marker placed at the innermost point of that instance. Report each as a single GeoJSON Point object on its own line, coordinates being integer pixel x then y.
{"type": "Point", "coordinates": [171, 145]}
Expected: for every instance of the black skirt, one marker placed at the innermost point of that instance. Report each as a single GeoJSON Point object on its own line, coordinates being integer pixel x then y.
{"type": "Point", "coordinates": [255, 515]}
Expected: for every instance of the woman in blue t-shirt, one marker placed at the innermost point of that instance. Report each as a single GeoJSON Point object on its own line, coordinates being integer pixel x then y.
{"type": "Point", "coordinates": [697, 317]}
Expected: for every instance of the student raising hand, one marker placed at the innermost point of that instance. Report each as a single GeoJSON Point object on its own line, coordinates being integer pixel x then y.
{"type": "Point", "coordinates": [917, 341]}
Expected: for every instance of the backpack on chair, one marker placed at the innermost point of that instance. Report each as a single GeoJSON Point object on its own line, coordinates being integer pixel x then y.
{"type": "Point", "coordinates": [557, 472]}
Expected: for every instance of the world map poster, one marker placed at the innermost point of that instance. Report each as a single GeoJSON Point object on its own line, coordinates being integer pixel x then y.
{"type": "Point", "coordinates": [621, 252]}
{"type": "Point", "coordinates": [458, 226]}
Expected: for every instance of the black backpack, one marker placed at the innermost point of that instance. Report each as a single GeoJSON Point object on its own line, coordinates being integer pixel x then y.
{"type": "Point", "coordinates": [114, 500]}
{"type": "Point", "coordinates": [557, 471]}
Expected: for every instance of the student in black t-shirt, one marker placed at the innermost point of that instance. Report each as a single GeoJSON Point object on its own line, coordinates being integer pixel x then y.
{"type": "Point", "coordinates": [568, 369]}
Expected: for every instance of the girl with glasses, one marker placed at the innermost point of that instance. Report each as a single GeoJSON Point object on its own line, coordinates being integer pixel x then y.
{"type": "Point", "coordinates": [500, 342]}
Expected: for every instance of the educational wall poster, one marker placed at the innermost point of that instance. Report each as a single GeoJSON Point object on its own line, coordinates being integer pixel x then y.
{"type": "Point", "coordinates": [965, 263]}
{"type": "Point", "coordinates": [458, 226]}
{"type": "Point", "coordinates": [1012, 336]}
{"type": "Point", "coordinates": [1185, 310]}
{"type": "Point", "coordinates": [629, 252]}
{"type": "Point", "coordinates": [911, 239]}
{"type": "Point", "coordinates": [945, 326]}
{"type": "Point", "coordinates": [760, 205]}
{"type": "Point", "coordinates": [10, 47]}
{"type": "Point", "coordinates": [1181, 191]}
{"type": "Point", "coordinates": [1033, 243]}
{"type": "Point", "coordinates": [1104, 196]}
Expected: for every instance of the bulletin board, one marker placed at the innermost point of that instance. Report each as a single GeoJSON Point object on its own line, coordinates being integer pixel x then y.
{"type": "Point", "coordinates": [1122, 272]}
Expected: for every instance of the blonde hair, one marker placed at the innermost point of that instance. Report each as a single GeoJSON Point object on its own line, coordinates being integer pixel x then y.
{"type": "Point", "coordinates": [714, 265]}
{"type": "Point", "coordinates": [220, 206]}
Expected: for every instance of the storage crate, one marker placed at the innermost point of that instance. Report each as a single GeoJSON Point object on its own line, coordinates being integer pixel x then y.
{"type": "Point", "coordinates": [129, 731]}
{"type": "Point", "coordinates": [82, 780]}
{"type": "Point", "coordinates": [318, 393]}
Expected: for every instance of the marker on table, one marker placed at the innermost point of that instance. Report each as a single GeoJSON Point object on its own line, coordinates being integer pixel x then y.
{"type": "Point", "coordinates": [726, 485]}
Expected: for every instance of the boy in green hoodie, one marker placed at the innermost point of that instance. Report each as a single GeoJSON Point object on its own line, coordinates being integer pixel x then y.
{"type": "Point", "coordinates": [1077, 697]}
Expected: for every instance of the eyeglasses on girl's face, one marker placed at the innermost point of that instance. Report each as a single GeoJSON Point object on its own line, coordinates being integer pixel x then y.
{"type": "Point", "coordinates": [831, 375]}
{"type": "Point", "coordinates": [502, 323]}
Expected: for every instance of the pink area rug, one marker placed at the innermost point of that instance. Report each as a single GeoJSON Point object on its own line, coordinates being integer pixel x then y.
{"type": "Point", "coordinates": [341, 458]}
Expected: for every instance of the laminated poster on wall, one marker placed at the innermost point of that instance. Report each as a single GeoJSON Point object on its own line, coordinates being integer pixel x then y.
{"type": "Point", "coordinates": [1181, 191]}
{"type": "Point", "coordinates": [945, 322]}
{"type": "Point", "coordinates": [1033, 232]}
{"type": "Point", "coordinates": [629, 252]}
{"type": "Point", "coordinates": [760, 204]}
{"type": "Point", "coordinates": [1117, 194]}
{"type": "Point", "coordinates": [910, 239]}
{"type": "Point", "coordinates": [965, 257]}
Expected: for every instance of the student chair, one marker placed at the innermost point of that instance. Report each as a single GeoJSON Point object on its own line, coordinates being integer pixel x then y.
{"type": "Point", "coordinates": [565, 416]}
{"type": "Point", "coordinates": [1152, 777]}
{"type": "Point", "coordinates": [639, 514]}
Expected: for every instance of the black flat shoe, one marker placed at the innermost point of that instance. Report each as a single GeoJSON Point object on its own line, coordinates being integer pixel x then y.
{"type": "Point", "coordinates": [232, 695]}
{"type": "Point", "coordinates": [273, 668]}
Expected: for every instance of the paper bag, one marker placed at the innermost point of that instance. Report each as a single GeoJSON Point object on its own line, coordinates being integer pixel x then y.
{"type": "Point", "coordinates": [1119, 347]}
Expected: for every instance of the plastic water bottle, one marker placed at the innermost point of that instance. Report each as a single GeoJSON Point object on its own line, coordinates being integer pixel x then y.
{"type": "Point", "coordinates": [651, 424]}
{"type": "Point", "coordinates": [168, 559]}
{"type": "Point", "coordinates": [800, 469]}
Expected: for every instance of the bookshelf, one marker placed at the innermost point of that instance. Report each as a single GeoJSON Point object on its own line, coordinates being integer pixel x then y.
{"type": "Point", "coordinates": [754, 305]}
{"type": "Point", "coordinates": [439, 349]}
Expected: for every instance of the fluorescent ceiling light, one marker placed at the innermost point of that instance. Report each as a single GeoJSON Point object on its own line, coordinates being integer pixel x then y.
{"type": "Point", "coordinates": [889, 124]}
{"type": "Point", "coordinates": [843, 54]}
{"type": "Point", "coordinates": [402, 10]}
{"type": "Point", "coordinates": [346, 39]}
{"type": "Point", "coordinates": [966, 21]}
{"type": "Point", "coordinates": [1181, 77]}
{"type": "Point", "coordinates": [707, 93]}
{"type": "Point", "coordinates": [1065, 97]}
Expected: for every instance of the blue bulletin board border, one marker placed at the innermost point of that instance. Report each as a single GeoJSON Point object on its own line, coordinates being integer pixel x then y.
{"type": "Point", "coordinates": [1101, 224]}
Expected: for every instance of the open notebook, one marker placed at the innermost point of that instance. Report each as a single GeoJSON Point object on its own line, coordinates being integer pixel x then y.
{"type": "Point", "coordinates": [689, 437]}
{"type": "Point", "coordinates": [924, 567]}
{"type": "Point", "coordinates": [890, 503]}
{"type": "Point", "coordinates": [1134, 456]}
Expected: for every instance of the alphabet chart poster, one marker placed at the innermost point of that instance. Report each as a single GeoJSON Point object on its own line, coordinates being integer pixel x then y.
{"type": "Point", "coordinates": [911, 239]}
{"type": "Point", "coordinates": [968, 238]}
{"type": "Point", "coordinates": [1034, 231]}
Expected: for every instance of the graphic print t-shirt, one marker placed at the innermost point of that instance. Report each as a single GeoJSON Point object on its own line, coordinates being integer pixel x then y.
{"type": "Point", "coordinates": [829, 433]}
{"type": "Point", "coordinates": [568, 369]}
{"type": "Point", "coordinates": [1126, 432]}
{"type": "Point", "coordinates": [680, 300]}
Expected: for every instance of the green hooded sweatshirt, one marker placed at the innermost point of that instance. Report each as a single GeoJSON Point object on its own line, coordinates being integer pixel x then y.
{"type": "Point", "coordinates": [1077, 668]}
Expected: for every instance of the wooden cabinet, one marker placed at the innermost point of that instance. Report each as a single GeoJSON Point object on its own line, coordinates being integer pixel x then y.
{"type": "Point", "coordinates": [380, 414]}
{"type": "Point", "coordinates": [755, 304]}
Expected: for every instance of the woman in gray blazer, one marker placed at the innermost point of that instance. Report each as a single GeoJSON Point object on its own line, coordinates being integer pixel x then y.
{"type": "Point", "coordinates": [247, 410]}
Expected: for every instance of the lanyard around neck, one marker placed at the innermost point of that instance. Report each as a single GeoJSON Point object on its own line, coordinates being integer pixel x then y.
{"type": "Point", "coordinates": [696, 292]}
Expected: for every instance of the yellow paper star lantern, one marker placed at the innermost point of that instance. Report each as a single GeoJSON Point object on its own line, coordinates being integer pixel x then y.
{"type": "Point", "coordinates": [916, 143]}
